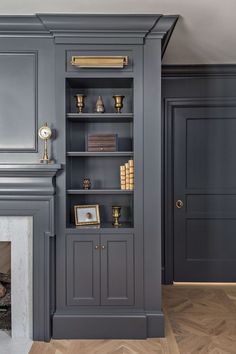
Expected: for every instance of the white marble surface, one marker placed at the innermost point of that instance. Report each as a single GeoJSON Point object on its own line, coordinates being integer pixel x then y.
{"type": "Point", "coordinates": [8, 345]}
{"type": "Point", "coordinates": [18, 230]}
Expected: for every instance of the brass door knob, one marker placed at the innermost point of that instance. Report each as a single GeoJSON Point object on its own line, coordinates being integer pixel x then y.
{"type": "Point", "coordinates": [96, 247]}
{"type": "Point", "coordinates": [179, 204]}
{"type": "Point", "coordinates": [103, 247]}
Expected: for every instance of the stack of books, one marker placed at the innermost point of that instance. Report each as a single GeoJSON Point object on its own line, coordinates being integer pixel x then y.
{"type": "Point", "coordinates": [127, 176]}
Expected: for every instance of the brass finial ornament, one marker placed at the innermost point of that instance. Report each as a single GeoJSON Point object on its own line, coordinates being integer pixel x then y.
{"type": "Point", "coordinates": [87, 183]}
{"type": "Point", "coordinates": [45, 134]}
{"type": "Point", "coordinates": [116, 215]}
{"type": "Point", "coordinates": [100, 105]}
{"type": "Point", "coordinates": [118, 102]}
{"type": "Point", "coordinates": [80, 102]}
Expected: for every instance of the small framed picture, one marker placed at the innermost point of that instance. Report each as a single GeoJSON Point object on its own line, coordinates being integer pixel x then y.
{"type": "Point", "coordinates": [87, 215]}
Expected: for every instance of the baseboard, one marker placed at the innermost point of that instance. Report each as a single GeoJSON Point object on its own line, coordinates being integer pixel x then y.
{"type": "Point", "coordinates": [155, 325]}
{"type": "Point", "coordinates": [128, 326]}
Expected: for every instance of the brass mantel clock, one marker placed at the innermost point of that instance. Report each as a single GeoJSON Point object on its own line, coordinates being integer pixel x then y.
{"type": "Point", "coordinates": [45, 134]}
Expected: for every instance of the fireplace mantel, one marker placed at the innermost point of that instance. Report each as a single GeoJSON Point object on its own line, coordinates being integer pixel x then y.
{"type": "Point", "coordinates": [30, 168]}
{"type": "Point", "coordinates": [27, 179]}
{"type": "Point", "coordinates": [29, 190]}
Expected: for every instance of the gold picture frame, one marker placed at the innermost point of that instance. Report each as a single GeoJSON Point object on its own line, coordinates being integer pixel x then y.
{"type": "Point", "coordinates": [87, 215]}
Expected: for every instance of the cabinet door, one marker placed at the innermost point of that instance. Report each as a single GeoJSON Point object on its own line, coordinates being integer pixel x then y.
{"type": "Point", "coordinates": [117, 269]}
{"type": "Point", "coordinates": [83, 270]}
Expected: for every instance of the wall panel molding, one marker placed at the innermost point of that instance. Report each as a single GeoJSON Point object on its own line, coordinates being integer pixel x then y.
{"type": "Point", "coordinates": [203, 71]}
{"type": "Point", "coordinates": [19, 85]}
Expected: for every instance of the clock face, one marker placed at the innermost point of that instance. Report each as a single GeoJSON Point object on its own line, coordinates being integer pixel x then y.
{"type": "Point", "coordinates": [45, 132]}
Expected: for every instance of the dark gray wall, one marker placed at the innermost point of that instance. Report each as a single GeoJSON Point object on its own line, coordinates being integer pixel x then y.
{"type": "Point", "coordinates": [187, 87]}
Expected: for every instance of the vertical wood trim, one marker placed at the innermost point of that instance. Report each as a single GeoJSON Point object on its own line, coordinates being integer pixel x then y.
{"type": "Point", "coordinates": [152, 174]}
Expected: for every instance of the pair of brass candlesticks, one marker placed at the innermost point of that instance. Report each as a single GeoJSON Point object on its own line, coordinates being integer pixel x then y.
{"type": "Point", "coordinates": [80, 99]}
{"type": "Point", "coordinates": [116, 215]}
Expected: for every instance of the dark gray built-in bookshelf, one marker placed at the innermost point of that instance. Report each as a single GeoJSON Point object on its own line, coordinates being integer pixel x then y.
{"type": "Point", "coordinates": [108, 278]}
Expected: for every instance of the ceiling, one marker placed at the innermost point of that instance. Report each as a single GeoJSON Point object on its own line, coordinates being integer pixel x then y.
{"type": "Point", "coordinates": [204, 34]}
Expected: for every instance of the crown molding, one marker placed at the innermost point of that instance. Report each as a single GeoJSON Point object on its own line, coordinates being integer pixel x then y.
{"type": "Point", "coordinates": [163, 29]}
{"type": "Point", "coordinates": [62, 27]}
{"type": "Point", "coordinates": [22, 26]}
{"type": "Point", "coordinates": [112, 25]}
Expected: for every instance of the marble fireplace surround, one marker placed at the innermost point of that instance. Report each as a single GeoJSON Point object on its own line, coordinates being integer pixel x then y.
{"type": "Point", "coordinates": [28, 190]}
{"type": "Point", "coordinates": [18, 231]}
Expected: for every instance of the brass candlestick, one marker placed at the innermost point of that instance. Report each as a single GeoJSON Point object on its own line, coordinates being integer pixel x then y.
{"type": "Point", "coordinates": [118, 102]}
{"type": "Point", "coordinates": [116, 215]}
{"type": "Point", "coordinates": [80, 102]}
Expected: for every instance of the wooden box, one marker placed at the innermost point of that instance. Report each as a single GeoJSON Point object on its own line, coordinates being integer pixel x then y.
{"type": "Point", "coordinates": [102, 142]}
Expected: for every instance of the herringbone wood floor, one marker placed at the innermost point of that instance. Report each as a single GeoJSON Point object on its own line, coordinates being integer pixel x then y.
{"type": "Point", "coordinates": [199, 320]}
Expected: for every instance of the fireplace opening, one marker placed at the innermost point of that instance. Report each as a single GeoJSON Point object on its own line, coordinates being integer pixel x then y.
{"type": "Point", "coordinates": [5, 286]}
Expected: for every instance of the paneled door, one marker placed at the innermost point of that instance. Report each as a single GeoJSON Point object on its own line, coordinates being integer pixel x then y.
{"type": "Point", "coordinates": [204, 150]}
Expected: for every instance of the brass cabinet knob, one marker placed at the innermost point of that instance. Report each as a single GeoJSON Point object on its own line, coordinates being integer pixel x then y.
{"type": "Point", "coordinates": [96, 247]}
{"type": "Point", "coordinates": [179, 204]}
{"type": "Point", "coordinates": [103, 247]}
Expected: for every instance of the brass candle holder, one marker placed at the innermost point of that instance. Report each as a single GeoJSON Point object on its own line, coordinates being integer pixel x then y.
{"type": "Point", "coordinates": [80, 102]}
{"type": "Point", "coordinates": [118, 102]}
{"type": "Point", "coordinates": [116, 215]}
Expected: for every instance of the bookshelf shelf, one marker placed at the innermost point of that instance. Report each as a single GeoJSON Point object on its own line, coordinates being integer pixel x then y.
{"type": "Point", "coordinates": [99, 154]}
{"type": "Point", "coordinates": [99, 191]}
{"type": "Point", "coordinates": [102, 228]}
{"type": "Point", "coordinates": [100, 117]}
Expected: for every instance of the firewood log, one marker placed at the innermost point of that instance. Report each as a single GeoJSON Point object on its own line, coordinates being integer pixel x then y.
{"type": "Point", "coordinates": [3, 290]}
{"type": "Point", "coordinates": [6, 300]}
{"type": "Point", "coordinates": [5, 278]}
